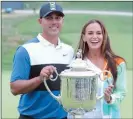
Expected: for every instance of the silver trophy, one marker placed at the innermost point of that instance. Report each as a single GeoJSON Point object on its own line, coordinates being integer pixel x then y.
{"type": "Point", "coordinates": [78, 87]}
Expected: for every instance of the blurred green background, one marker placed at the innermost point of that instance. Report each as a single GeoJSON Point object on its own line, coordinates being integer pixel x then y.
{"type": "Point", "coordinates": [17, 29]}
{"type": "Point", "coordinates": [91, 5]}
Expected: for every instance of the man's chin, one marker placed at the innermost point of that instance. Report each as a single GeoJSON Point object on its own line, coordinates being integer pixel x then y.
{"type": "Point", "coordinates": [54, 33]}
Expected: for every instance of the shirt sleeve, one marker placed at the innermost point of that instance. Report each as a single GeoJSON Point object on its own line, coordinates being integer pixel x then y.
{"type": "Point", "coordinates": [21, 65]}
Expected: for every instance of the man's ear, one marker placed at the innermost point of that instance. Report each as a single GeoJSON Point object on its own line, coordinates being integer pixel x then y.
{"type": "Point", "coordinates": [63, 20]}
{"type": "Point", "coordinates": [39, 20]}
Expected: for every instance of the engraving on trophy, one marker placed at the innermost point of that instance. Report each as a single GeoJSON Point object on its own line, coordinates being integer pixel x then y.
{"type": "Point", "coordinates": [69, 87]}
{"type": "Point", "coordinates": [93, 88]}
{"type": "Point", "coordinates": [81, 89]}
{"type": "Point", "coordinates": [90, 87]}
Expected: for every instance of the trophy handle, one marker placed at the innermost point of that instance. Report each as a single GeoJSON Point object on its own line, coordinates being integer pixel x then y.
{"type": "Point", "coordinates": [104, 77]}
{"type": "Point", "coordinates": [58, 98]}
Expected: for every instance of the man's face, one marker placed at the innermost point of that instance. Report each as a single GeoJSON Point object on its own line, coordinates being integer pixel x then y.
{"type": "Point", "coordinates": [52, 24]}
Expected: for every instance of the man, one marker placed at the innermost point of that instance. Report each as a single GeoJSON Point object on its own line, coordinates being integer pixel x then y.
{"type": "Point", "coordinates": [36, 61]}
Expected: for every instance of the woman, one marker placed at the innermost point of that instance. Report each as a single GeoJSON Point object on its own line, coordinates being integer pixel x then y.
{"type": "Point", "coordinates": [96, 50]}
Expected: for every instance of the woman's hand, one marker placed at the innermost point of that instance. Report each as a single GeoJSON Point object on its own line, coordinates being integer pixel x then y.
{"type": "Point", "coordinates": [107, 93]}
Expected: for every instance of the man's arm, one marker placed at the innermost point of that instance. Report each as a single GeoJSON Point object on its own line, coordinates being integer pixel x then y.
{"type": "Point", "coordinates": [24, 86]}
{"type": "Point", "coordinates": [20, 82]}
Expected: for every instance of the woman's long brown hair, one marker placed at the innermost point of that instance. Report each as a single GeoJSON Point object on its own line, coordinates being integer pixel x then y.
{"type": "Point", "coordinates": [106, 50]}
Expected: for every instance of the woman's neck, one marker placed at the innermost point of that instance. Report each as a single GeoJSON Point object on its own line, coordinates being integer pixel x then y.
{"type": "Point", "coordinates": [94, 55]}
{"type": "Point", "coordinates": [96, 58]}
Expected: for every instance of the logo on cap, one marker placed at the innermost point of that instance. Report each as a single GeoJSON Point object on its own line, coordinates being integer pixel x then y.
{"type": "Point", "coordinates": [52, 6]}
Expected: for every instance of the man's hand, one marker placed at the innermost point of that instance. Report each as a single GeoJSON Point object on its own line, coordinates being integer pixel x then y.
{"type": "Point", "coordinates": [46, 72]}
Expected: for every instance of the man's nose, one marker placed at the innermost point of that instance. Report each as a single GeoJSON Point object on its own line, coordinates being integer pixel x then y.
{"type": "Point", "coordinates": [54, 20]}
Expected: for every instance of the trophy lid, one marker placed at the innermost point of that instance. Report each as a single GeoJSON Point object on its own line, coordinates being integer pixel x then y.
{"type": "Point", "coordinates": [78, 64]}
{"type": "Point", "coordinates": [82, 74]}
{"type": "Point", "coordinates": [78, 68]}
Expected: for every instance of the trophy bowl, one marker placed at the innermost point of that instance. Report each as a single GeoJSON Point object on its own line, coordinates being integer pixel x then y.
{"type": "Point", "coordinates": [78, 89]}
{"type": "Point", "coordinates": [79, 84]}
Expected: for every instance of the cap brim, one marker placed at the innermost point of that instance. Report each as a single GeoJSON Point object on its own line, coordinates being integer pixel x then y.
{"type": "Point", "coordinates": [58, 12]}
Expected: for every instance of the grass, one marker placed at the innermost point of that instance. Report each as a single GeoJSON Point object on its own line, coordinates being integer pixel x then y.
{"type": "Point", "coordinates": [89, 5]}
{"type": "Point", "coordinates": [126, 105]}
{"type": "Point", "coordinates": [10, 102]}
{"type": "Point", "coordinates": [100, 5]}
{"type": "Point", "coordinates": [119, 29]}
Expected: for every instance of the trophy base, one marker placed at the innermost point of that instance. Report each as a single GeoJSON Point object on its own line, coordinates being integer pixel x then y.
{"type": "Point", "coordinates": [77, 113]}
{"type": "Point", "coordinates": [77, 116]}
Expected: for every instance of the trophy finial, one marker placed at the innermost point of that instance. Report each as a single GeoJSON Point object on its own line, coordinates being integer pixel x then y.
{"type": "Point", "coordinates": [79, 54]}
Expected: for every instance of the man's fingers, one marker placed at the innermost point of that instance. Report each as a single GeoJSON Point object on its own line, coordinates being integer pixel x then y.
{"type": "Point", "coordinates": [50, 68]}
{"type": "Point", "coordinates": [45, 75]}
{"type": "Point", "coordinates": [47, 71]}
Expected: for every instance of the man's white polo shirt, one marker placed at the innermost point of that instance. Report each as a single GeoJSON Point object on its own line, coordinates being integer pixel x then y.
{"type": "Point", "coordinates": [44, 52]}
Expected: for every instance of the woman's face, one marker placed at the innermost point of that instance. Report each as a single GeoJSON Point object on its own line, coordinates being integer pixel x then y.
{"type": "Point", "coordinates": [93, 36]}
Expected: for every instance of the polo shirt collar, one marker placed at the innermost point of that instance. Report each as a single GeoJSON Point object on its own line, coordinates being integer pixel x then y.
{"type": "Point", "coordinates": [46, 42]}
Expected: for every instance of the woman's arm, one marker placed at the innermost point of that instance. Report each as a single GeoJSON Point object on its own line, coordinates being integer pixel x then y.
{"type": "Point", "coordinates": [120, 90]}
